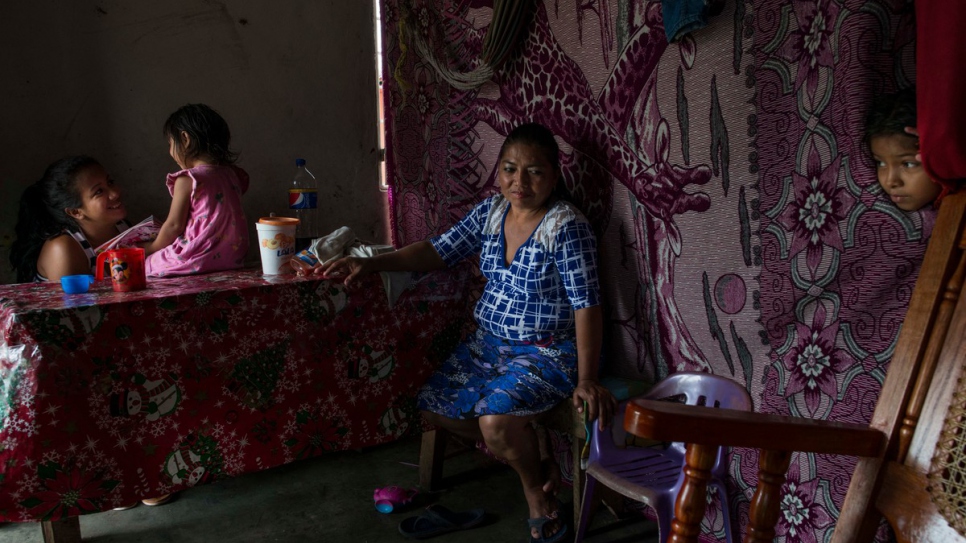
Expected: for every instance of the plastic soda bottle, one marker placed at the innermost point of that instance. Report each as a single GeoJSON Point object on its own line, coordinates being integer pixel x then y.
{"type": "Point", "coordinates": [303, 200]}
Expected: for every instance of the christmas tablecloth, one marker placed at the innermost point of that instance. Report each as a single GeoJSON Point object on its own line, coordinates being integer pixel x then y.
{"type": "Point", "coordinates": [107, 397]}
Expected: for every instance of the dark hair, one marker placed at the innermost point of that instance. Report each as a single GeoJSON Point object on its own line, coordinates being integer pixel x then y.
{"type": "Point", "coordinates": [890, 114]}
{"type": "Point", "coordinates": [207, 131]}
{"type": "Point", "coordinates": [537, 135]}
{"type": "Point", "coordinates": [42, 212]}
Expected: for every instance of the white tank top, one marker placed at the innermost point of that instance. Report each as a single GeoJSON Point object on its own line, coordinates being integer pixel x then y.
{"type": "Point", "coordinates": [86, 245]}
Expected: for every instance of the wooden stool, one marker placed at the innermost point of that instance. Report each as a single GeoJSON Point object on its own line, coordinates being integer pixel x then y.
{"type": "Point", "coordinates": [61, 531]}
{"type": "Point", "coordinates": [563, 418]}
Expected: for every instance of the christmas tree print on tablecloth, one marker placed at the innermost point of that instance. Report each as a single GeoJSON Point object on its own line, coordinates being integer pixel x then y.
{"type": "Point", "coordinates": [253, 380]}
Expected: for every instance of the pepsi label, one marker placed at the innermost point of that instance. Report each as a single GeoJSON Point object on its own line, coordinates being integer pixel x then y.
{"type": "Point", "coordinates": [302, 198]}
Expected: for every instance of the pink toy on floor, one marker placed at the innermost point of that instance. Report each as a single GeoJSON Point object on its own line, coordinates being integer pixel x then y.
{"type": "Point", "coordinates": [391, 497]}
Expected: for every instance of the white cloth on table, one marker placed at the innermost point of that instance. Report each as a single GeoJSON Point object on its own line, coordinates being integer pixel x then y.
{"type": "Point", "coordinates": [334, 245]}
{"type": "Point", "coordinates": [342, 241]}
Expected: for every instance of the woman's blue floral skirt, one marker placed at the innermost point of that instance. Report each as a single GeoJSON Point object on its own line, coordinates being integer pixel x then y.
{"type": "Point", "coordinates": [488, 375]}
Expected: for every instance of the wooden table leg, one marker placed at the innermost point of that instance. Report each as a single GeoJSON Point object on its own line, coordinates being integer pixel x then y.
{"type": "Point", "coordinates": [766, 503]}
{"type": "Point", "coordinates": [689, 506]}
{"type": "Point", "coordinates": [431, 454]}
{"type": "Point", "coordinates": [61, 531]}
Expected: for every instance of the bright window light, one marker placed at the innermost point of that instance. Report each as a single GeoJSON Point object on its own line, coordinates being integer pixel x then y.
{"type": "Point", "coordinates": [380, 111]}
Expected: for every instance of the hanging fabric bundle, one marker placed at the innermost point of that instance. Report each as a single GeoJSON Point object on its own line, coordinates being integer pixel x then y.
{"type": "Point", "coordinates": [510, 18]}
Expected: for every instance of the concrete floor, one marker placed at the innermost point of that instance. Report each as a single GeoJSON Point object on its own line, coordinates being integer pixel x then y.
{"type": "Point", "coordinates": [330, 499]}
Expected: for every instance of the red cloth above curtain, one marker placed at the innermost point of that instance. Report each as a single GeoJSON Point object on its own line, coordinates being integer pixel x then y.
{"type": "Point", "coordinates": [941, 89]}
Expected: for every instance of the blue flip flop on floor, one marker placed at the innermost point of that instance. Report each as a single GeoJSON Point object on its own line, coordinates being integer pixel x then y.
{"type": "Point", "coordinates": [436, 520]}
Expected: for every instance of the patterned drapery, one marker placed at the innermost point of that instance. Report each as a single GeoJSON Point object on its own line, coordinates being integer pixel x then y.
{"type": "Point", "coordinates": [741, 228]}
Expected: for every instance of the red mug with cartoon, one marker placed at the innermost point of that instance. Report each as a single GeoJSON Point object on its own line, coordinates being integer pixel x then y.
{"type": "Point", "coordinates": [127, 268]}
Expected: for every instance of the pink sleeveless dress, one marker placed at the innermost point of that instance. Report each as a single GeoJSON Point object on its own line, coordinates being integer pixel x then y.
{"type": "Point", "coordinates": [216, 236]}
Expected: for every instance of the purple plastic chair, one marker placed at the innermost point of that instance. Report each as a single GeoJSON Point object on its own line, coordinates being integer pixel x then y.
{"type": "Point", "coordinates": [654, 475]}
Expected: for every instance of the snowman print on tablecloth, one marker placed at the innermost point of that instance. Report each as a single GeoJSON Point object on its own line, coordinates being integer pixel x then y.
{"type": "Point", "coordinates": [153, 398]}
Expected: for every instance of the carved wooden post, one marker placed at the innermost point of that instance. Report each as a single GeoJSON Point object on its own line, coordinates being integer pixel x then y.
{"type": "Point", "coordinates": [689, 506]}
{"type": "Point", "coordinates": [766, 503]}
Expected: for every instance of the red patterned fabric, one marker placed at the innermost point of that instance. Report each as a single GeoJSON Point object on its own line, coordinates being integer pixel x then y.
{"type": "Point", "coordinates": [111, 397]}
{"type": "Point", "coordinates": [941, 90]}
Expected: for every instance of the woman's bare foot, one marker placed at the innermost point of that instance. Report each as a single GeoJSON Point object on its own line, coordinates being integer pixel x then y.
{"type": "Point", "coordinates": [551, 471]}
{"type": "Point", "coordinates": [545, 519]}
{"type": "Point", "coordinates": [544, 528]}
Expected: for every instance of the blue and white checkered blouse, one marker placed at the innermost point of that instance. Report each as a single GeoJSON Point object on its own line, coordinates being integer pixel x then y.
{"type": "Point", "coordinates": [553, 274]}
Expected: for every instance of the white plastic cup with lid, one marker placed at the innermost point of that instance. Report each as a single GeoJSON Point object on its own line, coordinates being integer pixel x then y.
{"type": "Point", "coordinates": [276, 243]}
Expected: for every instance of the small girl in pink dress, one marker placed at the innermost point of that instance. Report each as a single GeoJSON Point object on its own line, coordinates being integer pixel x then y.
{"type": "Point", "coordinates": [206, 229]}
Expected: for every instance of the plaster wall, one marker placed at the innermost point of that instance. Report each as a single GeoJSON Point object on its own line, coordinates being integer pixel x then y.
{"type": "Point", "coordinates": [293, 79]}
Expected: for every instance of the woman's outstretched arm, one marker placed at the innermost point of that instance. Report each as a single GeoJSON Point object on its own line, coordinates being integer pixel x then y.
{"type": "Point", "coordinates": [419, 256]}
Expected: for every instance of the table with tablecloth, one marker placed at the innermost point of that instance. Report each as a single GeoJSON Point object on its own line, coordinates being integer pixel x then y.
{"type": "Point", "coordinates": [109, 397]}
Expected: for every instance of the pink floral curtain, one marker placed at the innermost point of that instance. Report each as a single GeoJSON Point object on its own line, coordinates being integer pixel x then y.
{"type": "Point", "coordinates": [741, 228]}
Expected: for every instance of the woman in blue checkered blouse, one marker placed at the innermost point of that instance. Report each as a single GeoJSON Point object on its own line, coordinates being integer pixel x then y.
{"type": "Point", "coordinates": [540, 323]}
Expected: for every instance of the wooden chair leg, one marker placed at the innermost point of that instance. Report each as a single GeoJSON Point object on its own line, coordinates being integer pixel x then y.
{"type": "Point", "coordinates": [576, 447]}
{"type": "Point", "coordinates": [61, 531]}
{"type": "Point", "coordinates": [766, 503]}
{"type": "Point", "coordinates": [431, 455]}
{"type": "Point", "coordinates": [689, 506]}
{"type": "Point", "coordinates": [613, 500]}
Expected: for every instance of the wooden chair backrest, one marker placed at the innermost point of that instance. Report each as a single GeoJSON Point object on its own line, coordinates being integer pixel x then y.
{"type": "Point", "coordinates": [895, 450]}
{"type": "Point", "coordinates": [922, 377]}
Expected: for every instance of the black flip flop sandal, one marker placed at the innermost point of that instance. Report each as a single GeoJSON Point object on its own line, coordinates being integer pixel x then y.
{"type": "Point", "coordinates": [437, 520]}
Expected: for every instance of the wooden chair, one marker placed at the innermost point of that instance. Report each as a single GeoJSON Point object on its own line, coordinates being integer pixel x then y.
{"type": "Point", "coordinates": [923, 376]}
{"type": "Point", "coordinates": [896, 449]}
{"type": "Point", "coordinates": [562, 418]}
{"type": "Point", "coordinates": [432, 451]}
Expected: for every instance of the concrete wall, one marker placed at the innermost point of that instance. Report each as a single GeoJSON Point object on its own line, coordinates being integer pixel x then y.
{"type": "Point", "coordinates": [292, 78]}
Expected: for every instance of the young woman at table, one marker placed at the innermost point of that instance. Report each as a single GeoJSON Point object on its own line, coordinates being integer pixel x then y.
{"type": "Point", "coordinates": [540, 323]}
{"type": "Point", "coordinates": [75, 207]}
